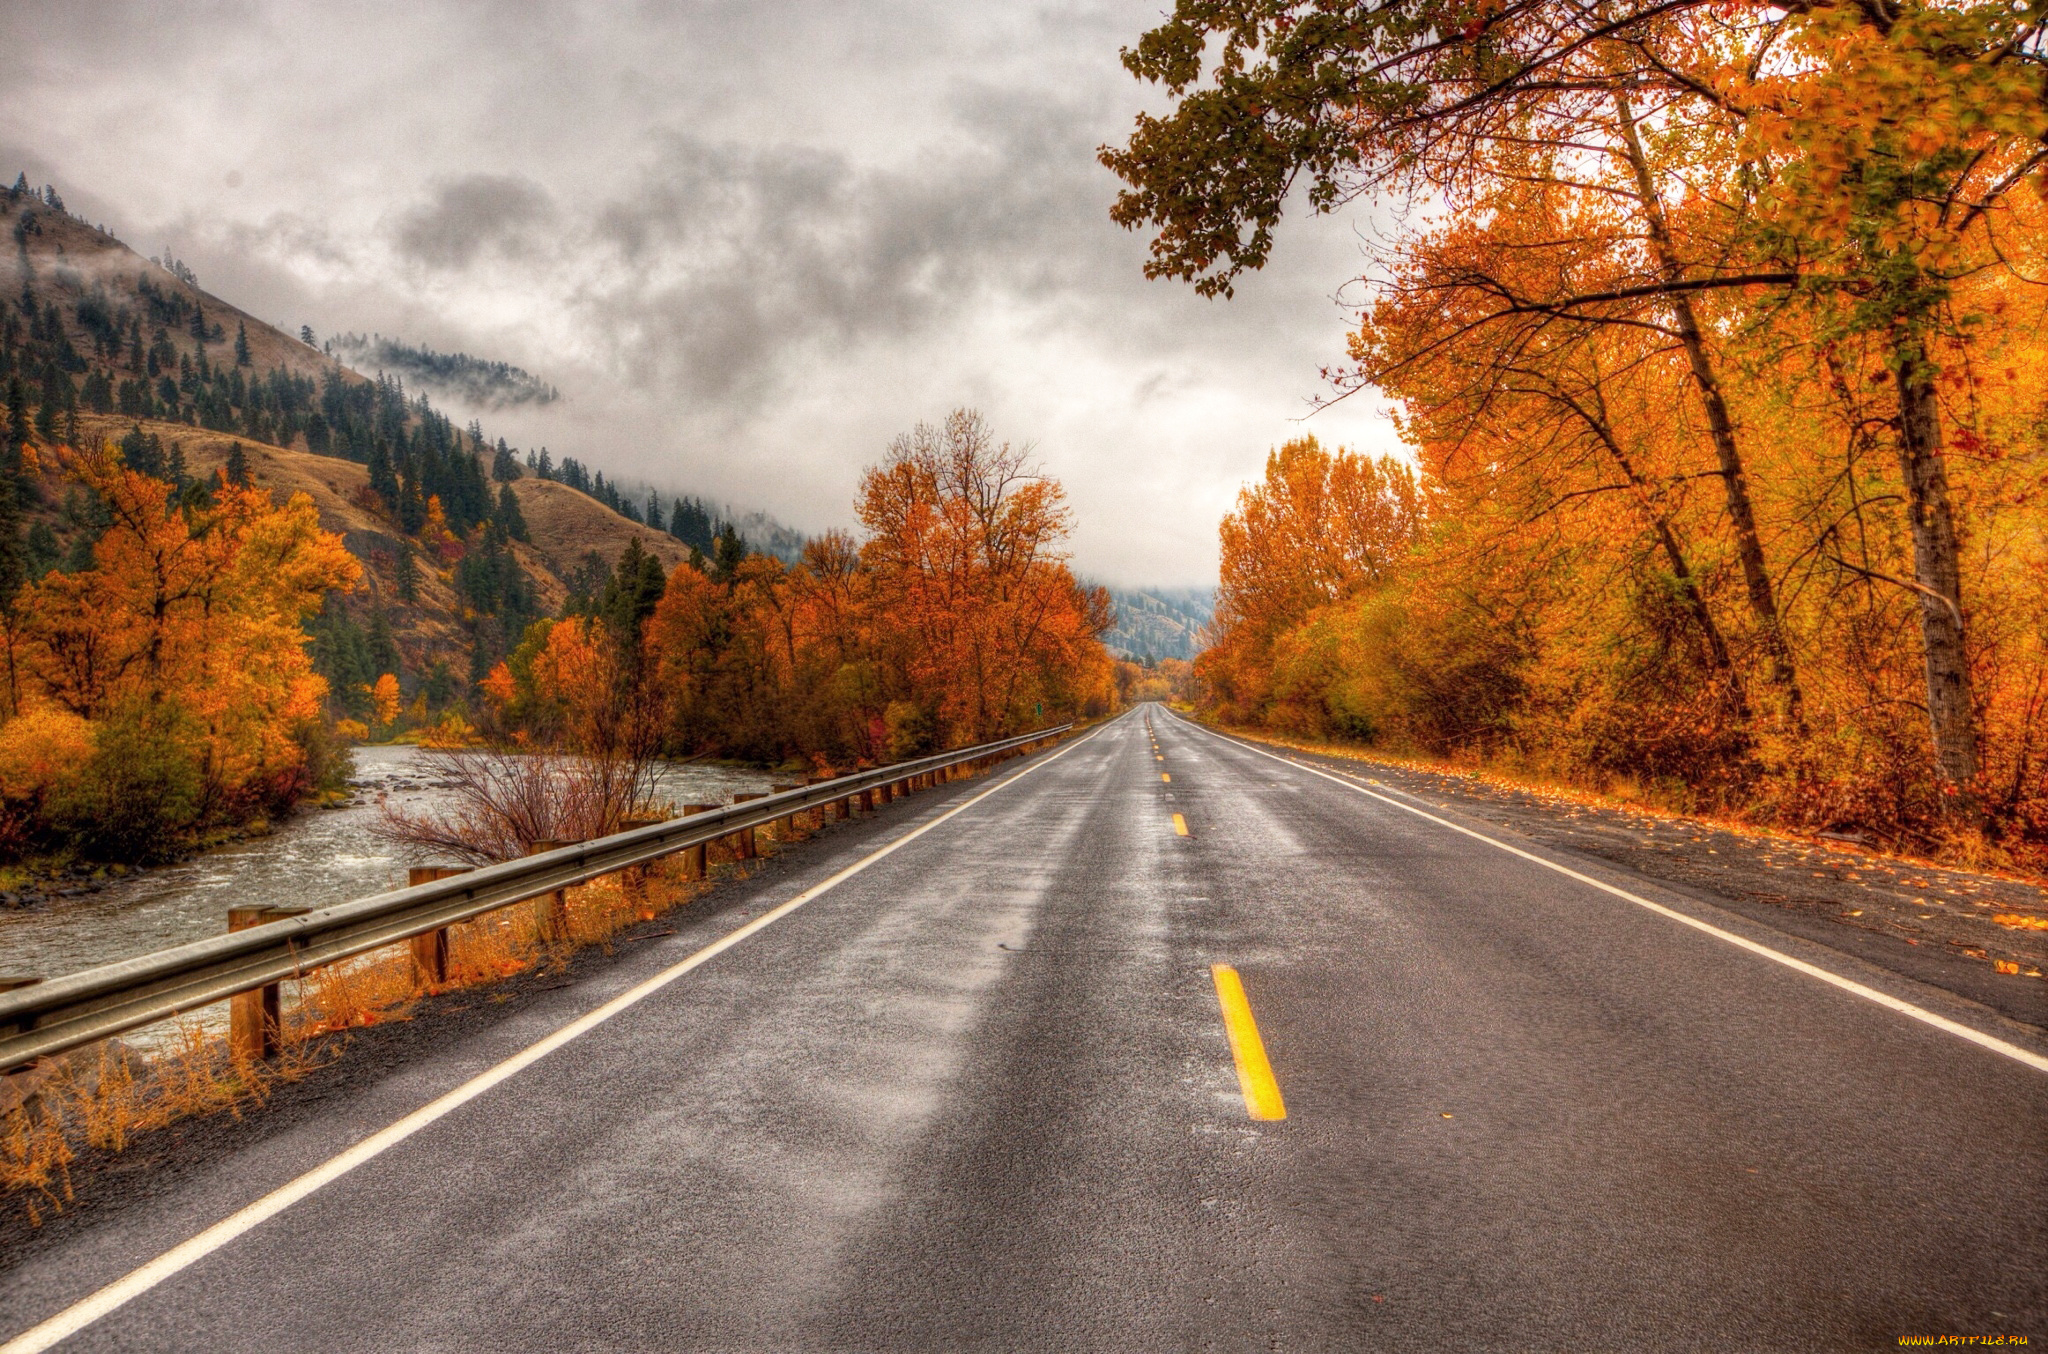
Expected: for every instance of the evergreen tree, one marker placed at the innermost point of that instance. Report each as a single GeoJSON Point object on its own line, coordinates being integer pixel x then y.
{"type": "Point", "coordinates": [406, 577]}
{"type": "Point", "coordinates": [306, 335]}
{"type": "Point", "coordinates": [654, 511]}
{"type": "Point", "coordinates": [632, 593]}
{"type": "Point", "coordinates": [382, 479]}
{"type": "Point", "coordinates": [412, 506]}
{"type": "Point", "coordinates": [241, 344]}
{"type": "Point", "coordinates": [143, 453]}
{"type": "Point", "coordinates": [174, 467]}
{"type": "Point", "coordinates": [42, 553]}
{"type": "Point", "coordinates": [504, 465]}
{"type": "Point", "coordinates": [729, 551]}
{"type": "Point", "coordinates": [199, 328]}
{"type": "Point", "coordinates": [237, 467]}
{"type": "Point", "coordinates": [691, 524]}
{"type": "Point", "coordinates": [509, 517]}
{"type": "Point", "coordinates": [383, 648]}
{"type": "Point", "coordinates": [17, 412]}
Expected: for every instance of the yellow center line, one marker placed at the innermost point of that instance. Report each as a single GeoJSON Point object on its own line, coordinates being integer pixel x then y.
{"type": "Point", "coordinates": [1254, 1074]}
{"type": "Point", "coordinates": [1180, 825]}
{"type": "Point", "coordinates": [1164, 776]}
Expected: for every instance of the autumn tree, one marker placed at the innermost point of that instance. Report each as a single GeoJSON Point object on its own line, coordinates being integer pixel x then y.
{"type": "Point", "coordinates": [964, 552]}
{"type": "Point", "coordinates": [1855, 160]}
{"type": "Point", "coordinates": [182, 643]}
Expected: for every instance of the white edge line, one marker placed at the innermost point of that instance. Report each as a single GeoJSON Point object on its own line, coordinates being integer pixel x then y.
{"type": "Point", "coordinates": [139, 1281]}
{"type": "Point", "coordinates": [1871, 994]}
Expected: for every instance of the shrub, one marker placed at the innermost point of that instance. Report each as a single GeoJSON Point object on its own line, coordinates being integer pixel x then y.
{"type": "Point", "coordinates": [139, 796]}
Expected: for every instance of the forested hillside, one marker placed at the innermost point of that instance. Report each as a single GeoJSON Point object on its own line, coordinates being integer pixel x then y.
{"type": "Point", "coordinates": [222, 552]}
{"type": "Point", "coordinates": [463, 540]}
{"type": "Point", "coordinates": [1161, 622]}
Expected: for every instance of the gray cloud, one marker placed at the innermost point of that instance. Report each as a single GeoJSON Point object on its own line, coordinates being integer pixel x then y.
{"type": "Point", "coordinates": [467, 215]}
{"type": "Point", "coordinates": [747, 246]}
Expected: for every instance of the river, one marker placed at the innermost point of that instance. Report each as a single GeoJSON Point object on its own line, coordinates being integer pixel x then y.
{"type": "Point", "coordinates": [315, 858]}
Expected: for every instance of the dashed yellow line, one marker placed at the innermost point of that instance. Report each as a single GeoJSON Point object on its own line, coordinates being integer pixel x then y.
{"type": "Point", "coordinates": [1163, 776]}
{"type": "Point", "coordinates": [1254, 1073]}
{"type": "Point", "coordinates": [1180, 826]}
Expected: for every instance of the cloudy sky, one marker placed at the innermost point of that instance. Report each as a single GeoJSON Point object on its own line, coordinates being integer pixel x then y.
{"type": "Point", "coordinates": [749, 242]}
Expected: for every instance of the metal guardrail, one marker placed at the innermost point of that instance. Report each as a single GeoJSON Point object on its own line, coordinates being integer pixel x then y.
{"type": "Point", "coordinates": [51, 1017]}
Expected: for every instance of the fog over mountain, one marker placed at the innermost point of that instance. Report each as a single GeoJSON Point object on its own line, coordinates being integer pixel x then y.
{"type": "Point", "coordinates": [746, 246]}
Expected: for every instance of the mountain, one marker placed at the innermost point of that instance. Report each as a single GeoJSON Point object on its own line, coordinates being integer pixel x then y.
{"type": "Point", "coordinates": [1161, 622]}
{"type": "Point", "coordinates": [99, 344]}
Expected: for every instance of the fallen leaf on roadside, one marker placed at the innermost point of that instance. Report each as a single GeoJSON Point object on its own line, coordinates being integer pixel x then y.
{"type": "Point", "coordinates": [2005, 966]}
{"type": "Point", "coordinates": [2017, 922]}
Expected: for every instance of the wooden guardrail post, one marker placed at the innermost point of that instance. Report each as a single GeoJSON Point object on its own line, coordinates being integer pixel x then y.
{"type": "Point", "coordinates": [430, 950]}
{"type": "Point", "coordinates": [785, 826]}
{"type": "Point", "coordinates": [633, 879]}
{"type": "Point", "coordinates": [694, 862]}
{"type": "Point", "coordinates": [256, 1018]}
{"type": "Point", "coordinates": [841, 808]}
{"type": "Point", "coordinates": [558, 901]}
{"type": "Point", "coordinates": [743, 845]}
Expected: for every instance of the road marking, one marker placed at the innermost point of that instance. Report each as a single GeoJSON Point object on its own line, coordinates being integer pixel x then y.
{"type": "Point", "coordinates": [1849, 985]}
{"type": "Point", "coordinates": [1166, 778]}
{"type": "Point", "coordinates": [1180, 829]}
{"type": "Point", "coordinates": [186, 1253]}
{"type": "Point", "coordinates": [1254, 1074]}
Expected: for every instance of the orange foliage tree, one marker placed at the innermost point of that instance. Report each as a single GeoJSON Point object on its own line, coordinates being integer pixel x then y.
{"type": "Point", "coordinates": [1709, 340]}
{"type": "Point", "coordinates": [182, 649]}
{"type": "Point", "coordinates": [955, 620]}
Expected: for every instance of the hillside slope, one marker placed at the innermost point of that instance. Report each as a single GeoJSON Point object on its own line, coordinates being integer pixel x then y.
{"type": "Point", "coordinates": [1161, 623]}
{"type": "Point", "coordinates": [565, 526]}
{"type": "Point", "coordinates": [103, 344]}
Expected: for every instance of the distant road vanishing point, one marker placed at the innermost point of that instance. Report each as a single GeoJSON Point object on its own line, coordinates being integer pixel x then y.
{"type": "Point", "coordinates": [1156, 1041]}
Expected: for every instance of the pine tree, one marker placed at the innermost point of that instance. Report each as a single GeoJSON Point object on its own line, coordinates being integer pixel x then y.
{"type": "Point", "coordinates": [306, 335]}
{"type": "Point", "coordinates": [631, 595]}
{"type": "Point", "coordinates": [728, 553]}
{"type": "Point", "coordinates": [237, 467]}
{"type": "Point", "coordinates": [199, 327]}
{"type": "Point", "coordinates": [143, 453]}
{"type": "Point", "coordinates": [504, 465]}
{"type": "Point", "coordinates": [241, 344]}
{"type": "Point", "coordinates": [383, 649]}
{"type": "Point", "coordinates": [509, 517]}
{"type": "Point", "coordinates": [383, 481]}
{"type": "Point", "coordinates": [412, 506]}
{"type": "Point", "coordinates": [17, 412]}
{"type": "Point", "coordinates": [654, 511]}
{"type": "Point", "coordinates": [406, 577]}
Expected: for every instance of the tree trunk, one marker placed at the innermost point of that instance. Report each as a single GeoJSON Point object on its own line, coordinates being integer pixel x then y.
{"type": "Point", "coordinates": [1749, 548]}
{"type": "Point", "coordinates": [1951, 716]}
{"type": "Point", "coordinates": [1674, 554]}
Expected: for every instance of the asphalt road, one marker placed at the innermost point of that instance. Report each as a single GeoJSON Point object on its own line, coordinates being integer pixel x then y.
{"type": "Point", "coordinates": [979, 1096]}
